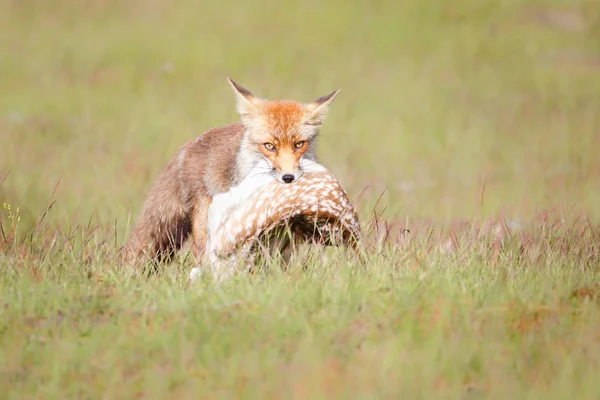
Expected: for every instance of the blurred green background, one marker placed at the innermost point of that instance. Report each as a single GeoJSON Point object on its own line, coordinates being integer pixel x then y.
{"type": "Point", "coordinates": [441, 102]}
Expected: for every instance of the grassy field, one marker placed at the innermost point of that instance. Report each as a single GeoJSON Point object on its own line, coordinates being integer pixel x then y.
{"type": "Point", "coordinates": [473, 124]}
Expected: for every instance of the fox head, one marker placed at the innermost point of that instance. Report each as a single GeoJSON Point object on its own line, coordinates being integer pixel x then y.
{"type": "Point", "coordinates": [283, 132]}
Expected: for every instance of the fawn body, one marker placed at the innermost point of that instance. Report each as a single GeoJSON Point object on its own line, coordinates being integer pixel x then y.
{"type": "Point", "coordinates": [262, 213]}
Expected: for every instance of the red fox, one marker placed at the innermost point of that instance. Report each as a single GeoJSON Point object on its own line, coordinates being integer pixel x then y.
{"type": "Point", "coordinates": [280, 132]}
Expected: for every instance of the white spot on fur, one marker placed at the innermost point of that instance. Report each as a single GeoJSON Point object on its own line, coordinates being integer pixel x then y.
{"type": "Point", "coordinates": [195, 274]}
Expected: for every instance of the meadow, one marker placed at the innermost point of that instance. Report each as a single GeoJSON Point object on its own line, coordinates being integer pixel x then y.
{"type": "Point", "coordinates": [467, 133]}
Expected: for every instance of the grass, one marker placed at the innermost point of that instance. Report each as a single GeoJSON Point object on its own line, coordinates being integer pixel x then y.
{"type": "Point", "coordinates": [473, 124]}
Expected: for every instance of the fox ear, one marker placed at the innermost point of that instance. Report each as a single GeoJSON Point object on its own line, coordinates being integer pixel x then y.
{"type": "Point", "coordinates": [246, 102]}
{"type": "Point", "coordinates": [318, 108]}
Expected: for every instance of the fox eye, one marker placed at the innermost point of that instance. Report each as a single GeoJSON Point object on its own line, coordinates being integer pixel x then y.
{"type": "Point", "coordinates": [299, 144]}
{"type": "Point", "coordinates": [269, 146]}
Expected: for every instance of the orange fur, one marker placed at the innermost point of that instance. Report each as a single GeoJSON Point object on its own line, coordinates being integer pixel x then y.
{"type": "Point", "coordinates": [283, 118]}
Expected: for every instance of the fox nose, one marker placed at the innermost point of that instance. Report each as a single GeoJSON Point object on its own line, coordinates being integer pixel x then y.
{"type": "Point", "coordinates": [287, 178]}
